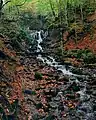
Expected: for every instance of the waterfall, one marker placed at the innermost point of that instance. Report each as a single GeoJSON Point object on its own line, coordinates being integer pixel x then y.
{"type": "Point", "coordinates": [49, 60]}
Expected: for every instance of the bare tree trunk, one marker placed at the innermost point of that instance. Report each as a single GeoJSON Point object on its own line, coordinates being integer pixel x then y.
{"type": "Point", "coordinates": [75, 27]}
{"type": "Point", "coordinates": [81, 14]}
{"type": "Point", "coordinates": [53, 12]}
{"type": "Point", "coordinates": [1, 4]}
{"type": "Point", "coordinates": [61, 31]}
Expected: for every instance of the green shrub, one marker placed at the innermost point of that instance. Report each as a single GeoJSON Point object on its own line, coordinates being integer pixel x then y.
{"type": "Point", "coordinates": [89, 58]}
{"type": "Point", "coordinates": [59, 51]}
{"type": "Point", "coordinates": [86, 55]}
{"type": "Point", "coordinates": [38, 76]}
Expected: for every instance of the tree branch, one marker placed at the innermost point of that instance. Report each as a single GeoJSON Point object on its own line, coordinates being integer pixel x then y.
{"type": "Point", "coordinates": [22, 3]}
{"type": "Point", "coordinates": [5, 3]}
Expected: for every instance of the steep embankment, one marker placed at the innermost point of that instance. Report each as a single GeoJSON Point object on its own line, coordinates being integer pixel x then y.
{"type": "Point", "coordinates": [38, 91]}
{"type": "Point", "coordinates": [88, 41]}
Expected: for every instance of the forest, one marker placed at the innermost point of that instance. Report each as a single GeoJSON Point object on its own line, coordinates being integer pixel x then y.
{"type": "Point", "coordinates": [47, 59]}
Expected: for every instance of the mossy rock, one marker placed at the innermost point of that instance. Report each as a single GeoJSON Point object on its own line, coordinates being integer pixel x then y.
{"type": "Point", "coordinates": [76, 88]}
{"type": "Point", "coordinates": [39, 106]}
{"type": "Point", "coordinates": [30, 92]}
{"type": "Point", "coordinates": [1, 44]}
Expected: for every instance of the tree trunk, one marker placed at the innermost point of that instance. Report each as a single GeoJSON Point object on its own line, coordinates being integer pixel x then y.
{"type": "Point", "coordinates": [1, 4]}
{"type": "Point", "coordinates": [53, 12]}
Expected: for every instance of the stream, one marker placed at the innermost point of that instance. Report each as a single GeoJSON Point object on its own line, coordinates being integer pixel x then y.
{"type": "Point", "coordinates": [49, 60]}
{"type": "Point", "coordinates": [77, 86]}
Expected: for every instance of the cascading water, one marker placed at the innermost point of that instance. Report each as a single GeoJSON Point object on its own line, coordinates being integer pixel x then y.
{"type": "Point", "coordinates": [85, 108]}
{"type": "Point", "coordinates": [50, 60]}
{"type": "Point", "coordinates": [39, 40]}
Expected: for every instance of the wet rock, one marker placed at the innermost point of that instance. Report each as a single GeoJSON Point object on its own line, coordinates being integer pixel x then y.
{"type": "Point", "coordinates": [94, 107]}
{"type": "Point", "coordinates": [72, 78]}
{"type": "Point", "coordinates": [50, 117]}
{"type": "Point", "coordinates": [54, 92]}
{"type": "Point", "coordinates": [77, 71]}
{"type": "Point", "coordinates": [74, 87]}
{"type": "Point", "coordinates": [72, 113]}
{"type": "Point", "coordinates": [49, 97]}
{"type": "Point", "coordinates": [39, 105]}
{"type": "Point", "coordinates": [94, 92]}
{"type": "Point", "coordinates": [42, 65]}
{"type": "Point", "coordinates": [57, 98]}
{"type": "Point", "coordinates": [11, 117]}
{"type": "Point", "coordinates": [90, 116]}
{"type": "Point", "coordinates": [70, 96]}
{"type": "Point", "coordinates": [61, 106]}
{"type": "Point", "coordinates": [88, 87]}
{"type": "Point", "coordinates": [57, 77]}
{"type": "Point", "coordinates": [63, 78]}
{"type": "Point", "coordinates": [93, 82]}
{"type": "Point", "coordinates": [80, 113]}
{"type": "Point", "coordinates": [89, 91]}
{"type": "Point", "coordinates": [46, 108]}
{"type": "Point", "coordinates": [85, 98]}
{"type": "Point", "coordinates": [75, 118]}
{"type": "Point", "coordinates": [47, 91]}
{"type": "Point", "coordinates": [35, 117]}
{"type": "Point", "coordinates": [53, 105]}
{"type": "Point", "coordinates": [3, 55]}
{"type": "Point", "coordinates": [86, 107]}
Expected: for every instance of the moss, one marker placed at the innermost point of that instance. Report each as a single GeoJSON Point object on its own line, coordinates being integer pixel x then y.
{"type": "Point", "coordinates": [59, 51]}
{"type": "Point", "coordinates": [89, 58]}
{"type": "Point", "coordinates": [1, 44]}
{"type": "Point", "coordinates": [86, 55]}
{"type": "Point", "coordinates": [38, 76]}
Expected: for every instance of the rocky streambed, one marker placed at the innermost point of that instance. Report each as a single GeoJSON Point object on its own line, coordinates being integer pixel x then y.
{"type": "Point", "coordinates": [62, 93]}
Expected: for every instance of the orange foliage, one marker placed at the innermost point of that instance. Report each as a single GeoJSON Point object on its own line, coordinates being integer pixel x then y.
{"type": "Point", "coordinates": [19, 68]}
{"type": "Point", "coordinates": [86, 43]}
{"type": "Point", "coordinates": [9, 52]}
{"type": "Point", "coordinates": [17, 89]}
